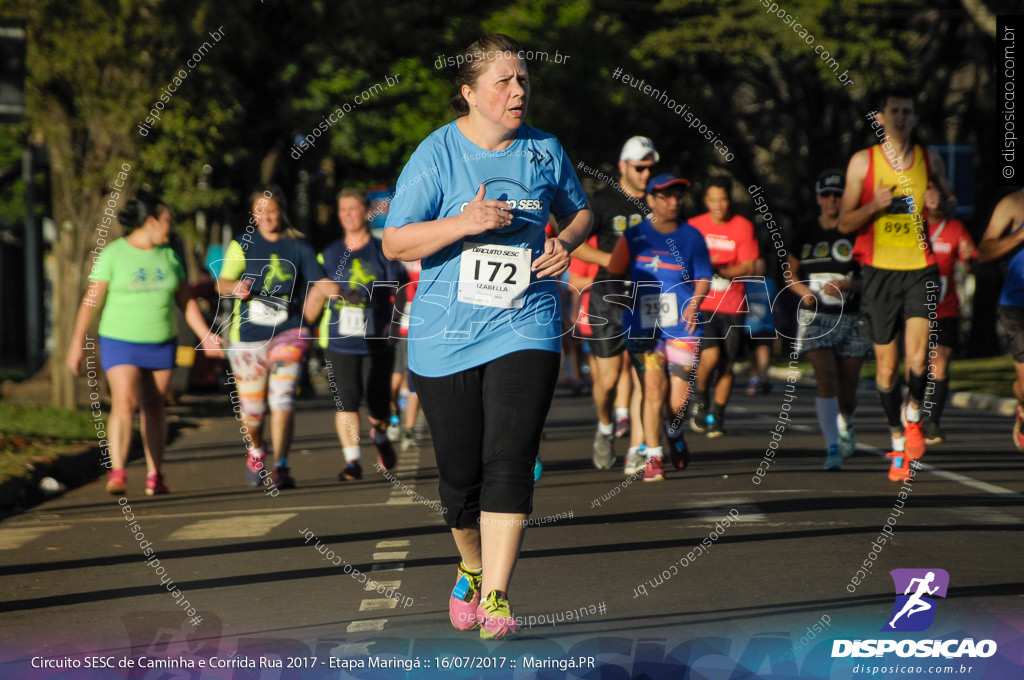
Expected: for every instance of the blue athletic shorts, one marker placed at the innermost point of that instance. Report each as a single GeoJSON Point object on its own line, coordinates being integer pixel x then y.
{"type": "Point", "coordinates": [154, 356]}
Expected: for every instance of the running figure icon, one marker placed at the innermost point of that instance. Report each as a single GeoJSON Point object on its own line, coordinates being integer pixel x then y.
{"type": "Point", "coordinates": [916, 604]}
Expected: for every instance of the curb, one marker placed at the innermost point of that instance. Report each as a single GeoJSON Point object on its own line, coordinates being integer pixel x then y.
{"type": "Point", "coordinates": [18, 494]}
{"type": "Point", "coordinates": [1004, 406]}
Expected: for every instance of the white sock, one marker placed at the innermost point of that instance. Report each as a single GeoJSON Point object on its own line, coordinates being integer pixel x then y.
{"type": "Point", "coordinates": [606, 429]}
{"type": "Point", "coordinates": [913, 414]}
{"type": "Point", "coordinates": [351, 454]}
{"type": "Point", "coordinates": [632, 450]}
{"type": "Point", "coordinates": [258, 453]}
{"type": "Point", "coordinates": [898, 442]}
{"type": "Point", "coordinates": [844, 422]}
{"type": "Point", "coordinates": [621, 413]}
{"type": "Point", "coordinates": [828, 412]}
{"type": "Point", "coordinates": [653, 452]}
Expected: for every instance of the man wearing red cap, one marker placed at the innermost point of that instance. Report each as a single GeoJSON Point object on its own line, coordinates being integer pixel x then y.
{"type": "Point", "coordinates": [670, 271]}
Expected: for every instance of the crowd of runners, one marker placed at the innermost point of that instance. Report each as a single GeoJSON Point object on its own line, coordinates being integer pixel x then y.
{"type": "Point", "coordinates": [468, 279]}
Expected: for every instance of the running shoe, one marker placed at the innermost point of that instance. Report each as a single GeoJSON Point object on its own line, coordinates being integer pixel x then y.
{"type": "Point", "coordinates": [699, 417]}
{"type": "Point", "coordinates": [495, 617]}
{"type": "Point", "coordinates": [394, 430]}
{"type": "Point", "coordinates": [915, 441]}
{"type": "Point", "coordinates": [932, 434]}
{"type": "Point", "coordinates": [604, 450]}
{"type": "Point", "coordinates": [900, 469]}
{"type": "Point", "coordinates": [253, 467]}
{"type": "Point", "coordinates": [409, 439]}
{"type": "Point", "coordinates": [385, 451]}
{"type": "Point", "coordinates": [753, 387]}
{"type": "Point", "coordinates": [833, 459]}
{"type": "Point", "coordinates": [679, 453]}
{"type": "Point", "coordinates": [283, 478]}
{"type": "Point", "coordinates": [462, 606]}
{"type": "Point", "coordinates": [635, 460]}
{"type": "Point", "coordinates": [155, 484]}
{"type": "Point", "coordinates": [655, 470]}
{"type": "Point", "coordinates": [714, 428]}
{"type": "Point", "coordinates": [116, 482]}
{"type": "Point", "coordinates": [351, 472]}
{"type": "Point", "coordinates": [847, 442]}
{"type": "Point", "coordinates": [621, 427]}
{"type": "Point", "coordinates": [538, 469]}
{"type": "Point", "coordinates": [1018, 431]}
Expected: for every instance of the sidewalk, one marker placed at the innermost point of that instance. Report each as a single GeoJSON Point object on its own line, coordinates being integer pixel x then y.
{"type": "Point", "coordinates": [969, 400]}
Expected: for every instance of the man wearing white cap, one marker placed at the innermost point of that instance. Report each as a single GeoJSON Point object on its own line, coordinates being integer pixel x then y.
{"type": "Point", "coordinates": [615, 210]}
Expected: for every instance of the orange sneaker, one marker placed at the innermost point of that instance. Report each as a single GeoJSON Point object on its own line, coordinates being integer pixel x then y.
{"type": "Point", "coordinates": [915, 441]}
{"type": "Point", "coordinates": [899, 471]}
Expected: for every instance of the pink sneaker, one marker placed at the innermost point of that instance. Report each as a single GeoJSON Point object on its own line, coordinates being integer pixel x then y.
{"type": "Point", "coordinates": [155, 484]}
{"type": "Point", "coordinates": [655, 470]}
{"type": "Point", "coordinates": [462, 607]}
{"type": "Point", "coordinates": [116, 482]}
{"type": "Point", "coordinates": [495, 617]}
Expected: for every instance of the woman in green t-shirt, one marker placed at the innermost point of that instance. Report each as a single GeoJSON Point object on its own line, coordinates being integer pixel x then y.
{"type": "Point", "coordinates": [136, 281]}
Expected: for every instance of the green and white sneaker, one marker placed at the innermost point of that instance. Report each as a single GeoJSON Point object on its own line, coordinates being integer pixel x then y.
{"type": "Point", "coordinates": [495, 617]}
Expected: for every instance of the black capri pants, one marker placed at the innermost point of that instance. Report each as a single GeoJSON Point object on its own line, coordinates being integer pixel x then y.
{"type": "Point", "coordinates": [486, 424]}
{"type": "Point", "coordinates": [351, 376]}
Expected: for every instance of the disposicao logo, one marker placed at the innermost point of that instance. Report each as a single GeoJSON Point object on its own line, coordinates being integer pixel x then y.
{"type": "Point", "coordinates": [914, 610]}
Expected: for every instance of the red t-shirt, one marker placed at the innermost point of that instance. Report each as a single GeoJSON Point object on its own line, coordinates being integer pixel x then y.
{"type": "Point", "coordinates": [585, 269]}
{"type": "Point", "coordinates": [946, 237]}
{"type": "Point", "coordinates": [728, 244]}
{"type": "Point", "coordinates": [413, 268]}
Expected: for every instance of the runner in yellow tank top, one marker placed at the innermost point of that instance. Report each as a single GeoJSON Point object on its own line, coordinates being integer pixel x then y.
{"type": "Point", "coordinates": [896, 239]}
{"type": "Point", "coordinates": [883, 203]}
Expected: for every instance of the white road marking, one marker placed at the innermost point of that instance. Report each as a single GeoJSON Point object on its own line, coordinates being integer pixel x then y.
{"type": "Point", "coordinates": [392, 544]}
{"type": "Point", "coordinates": [368, 625]}
{"type": "Point", "coordinates": [237, 526]}
{"type": "Point", "coordinates": [380, 603]}
{"type": "Point", "coordinates": [396, 555]}
{"type": "Point", "coordinates": [976, 484]}
{"type": "Point", "coordinates": [14, 537]}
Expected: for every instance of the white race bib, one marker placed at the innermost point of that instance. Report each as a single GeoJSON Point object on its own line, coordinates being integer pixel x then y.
{"type": "Point", "coordinates": [660, 310]}
{"type": "Point", "coordinates": [352, 321]}
{"type": "Point", "coordinates": [262, 314]}
{"type": "Point", "coordinates": [817, 285]}
{"type": "Point", "coordinates": [720, 283]}
{"type": "Point", "coordinates": [493, 275]}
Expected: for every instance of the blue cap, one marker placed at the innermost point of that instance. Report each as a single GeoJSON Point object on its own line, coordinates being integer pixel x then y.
{"type": "Point", "coordinates": [664, 181]}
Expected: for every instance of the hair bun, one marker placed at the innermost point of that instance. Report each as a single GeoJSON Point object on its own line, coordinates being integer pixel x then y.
{"type": "Point", "coordinates": [132, 215]}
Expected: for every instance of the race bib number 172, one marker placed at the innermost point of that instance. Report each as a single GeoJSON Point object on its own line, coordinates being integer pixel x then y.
{"type": "Point", "coordinates": [494, 275]}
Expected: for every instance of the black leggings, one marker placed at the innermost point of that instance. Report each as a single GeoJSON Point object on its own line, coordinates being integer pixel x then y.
{"type": "Point", "coordinates": [351, 376]}
{"type": "Point", "coordinates": [486, 424]}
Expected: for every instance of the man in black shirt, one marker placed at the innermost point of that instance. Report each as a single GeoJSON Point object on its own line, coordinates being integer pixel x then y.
{"type": "Point", "coordinates": [823, 273]}
{"type": "Point", "coordinates": [616, 208]}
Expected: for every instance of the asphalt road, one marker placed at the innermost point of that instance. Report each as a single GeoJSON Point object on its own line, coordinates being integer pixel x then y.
{"type": "Point", "coordinates": [764, 597]}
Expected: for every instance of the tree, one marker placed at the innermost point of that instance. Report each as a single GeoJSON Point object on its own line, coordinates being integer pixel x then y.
{"type": "Point", "coordinates": [95, 69]}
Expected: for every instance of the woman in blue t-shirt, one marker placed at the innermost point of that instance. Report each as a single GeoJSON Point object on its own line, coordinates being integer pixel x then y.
{"type": "Point", "coordinates": [484, 338]}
